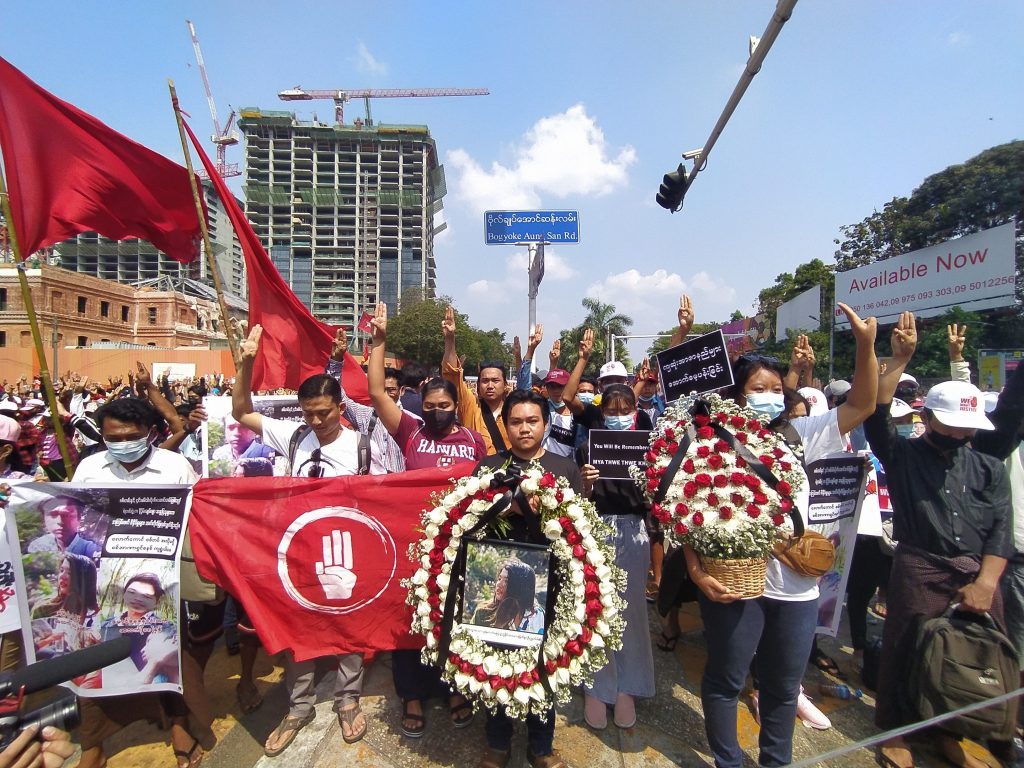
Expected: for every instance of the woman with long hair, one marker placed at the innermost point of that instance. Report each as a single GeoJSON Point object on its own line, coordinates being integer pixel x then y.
{"type": "Point", "coordinates": [514, 602]}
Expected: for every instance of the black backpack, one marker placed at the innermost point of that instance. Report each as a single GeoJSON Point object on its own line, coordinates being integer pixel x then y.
{"type": "Point", "coordinates": [961, 659]}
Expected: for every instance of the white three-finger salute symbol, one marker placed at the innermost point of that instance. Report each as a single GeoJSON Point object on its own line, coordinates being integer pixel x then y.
{"type": "Point", "coordinates": [335, 570]}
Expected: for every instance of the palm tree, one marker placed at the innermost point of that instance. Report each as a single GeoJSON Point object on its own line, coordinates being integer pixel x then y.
{"type": "Point", "coordinates": [603, 319]}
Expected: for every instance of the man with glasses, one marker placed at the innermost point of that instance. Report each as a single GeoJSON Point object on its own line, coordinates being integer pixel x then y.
{"type": "Point", "coordinates": [318, 447]}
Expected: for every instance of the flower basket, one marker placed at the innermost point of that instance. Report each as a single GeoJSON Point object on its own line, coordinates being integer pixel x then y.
{"type": "Point", "coordinates": [744, 576]}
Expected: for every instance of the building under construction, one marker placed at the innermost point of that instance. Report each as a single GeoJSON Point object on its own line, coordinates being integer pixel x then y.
{"type": "Point", "coordinates": [346, 212]}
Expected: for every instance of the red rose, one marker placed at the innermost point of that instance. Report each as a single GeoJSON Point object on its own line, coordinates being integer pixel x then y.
{"type": "Point", "coordinates": [673, 448]}
{"type": "Point", "coordinates": [721, 481]}
{"type": "Point", "coordinates": [650, 456]}
{"type": "Point", "coordinates": [768, 461]}
{"type": "Point", "coordinates": [753, 510]}
{"type": "Point", "coordinates": [579, 552]}
{"type": "Point", "coordinates": [698, 518]}
{"type": "Point", "coordinates": [742, 437]}
{"type": "Point", "coordinates": [591, 590]}
{"type": "Point", "coordinates": [497, 682]}
{"type": "Point", "coordinates": [436, 557]}
{"type": "Point", "coordinates": [753, 424]}
{"type": "Point", "coordinates": [702, 479]}
{"type": "Point", "coordinates": [689, 489]}
{"type": "Point", "coordinates": [594, 607]}
{"type": "Point", "coordinates": [573, 537]}
{"type": "Point", "coordinates": [722, 447]}
{"type": "Point", "coordinates": [550, 666]}
{"type": "Point", "coordinates": [725, 513]}
{"type": "Point", "coordinates": [740, 462]}
{"type": "Point", "coordinates": [722, 417]}
{"type": "Point", "coordinates": [715, 461]}
{"type": "Point", "coordinates": [433, 601]}
{"type": "Point", "coordinates": [701, 420]}
{"type": "Point", "coordinates": [682, 510]}
{"type": "Point", "coordinates": [738, 478]}
{"type": "Point", "coordinates": [589, 572]}
{"type": "Point", "coordinates": [659, 444]}
{"type": "Point", "coordinates": [737, 421]}
{"type": "Point", "coordinates": [688, 466]}
{"type": "Point", "coordinates": [760, 498]}
{"type": "Point", "coordinates": [752, 482]}
{"type": "Point", "coordinates": [435, 616]}
{"type": "Point", "coordinates": [784, 488]}
{"type": "Point", "coordinates": [651, 472]}
{"type": "Point", "coordinates": [559, 496]}
{"type": "Point", "coordinates": [778, 452]}
{"type": "Point", "coordinates": [712, 500]}
{"type": "Point", "coordinates": [547, 480]}
{"type": "Point", "coordinates": [705, 433]}
{"type": "Point", "coordinates": [786, 505]}
{"type": "Point", "coordinates": [565, 522]}
{"type": "Point", "coordinates": [778, 519]}
{"type": "Point", "coordinates": [786, 466]}
{"type": "Point", "coordinates": [574, 648]}
{"type": "Point", "coordinates": [703, 451]}
{"type": "Point", "coordinates": [681, 529]}
{"type": "Point", "coordinates": [525, 681]}
{"type": "Point", "coordinates": [764, 434]}
{"type": "Point", "coordinates": [736, 498]}
{"type": "Point", "coordinates": [586, 634]}
{"type": "Point", "coordinates": [663, 516]}
{"type": "Point", "coordinates": [446, 528]}
{"type": "Point", "coordinates": [670, 434]}
{"type": "Point", "coordinates": [436, 631]}
{"type": "Point", "coordinates": [652, 486]}
{"type": "Point", "coordinates": [480, 675]}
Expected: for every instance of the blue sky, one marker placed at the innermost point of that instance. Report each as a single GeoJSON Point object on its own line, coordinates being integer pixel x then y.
{"type": "Point", "coordinates": [590, 104]}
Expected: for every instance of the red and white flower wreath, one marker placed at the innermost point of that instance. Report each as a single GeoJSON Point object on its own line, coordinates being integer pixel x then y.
{"type": "Point", "coordinates": [588, 609]}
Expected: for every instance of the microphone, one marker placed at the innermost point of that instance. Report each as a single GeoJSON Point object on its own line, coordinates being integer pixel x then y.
{"type": "Point", "coordinates": [46, 674]}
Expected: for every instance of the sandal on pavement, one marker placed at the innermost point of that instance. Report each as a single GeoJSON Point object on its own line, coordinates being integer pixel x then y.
{"type": "Point", "coordinates": [420, 723]}
{"type": "Point", "coordinates": [667, 643]}
{"type": "Point", "coordinates": [827, 665]}
{"type": "Point", "coordinates": [287, 729]}
{"type": "Point", "coordinates": [545, 761]}
{"type": "Point", "coordinates": [885, 761]}
{"type": "Point", "coordinates": [462, 714]}
{"type": "Point", "coordinates": [192, 758]}
{"type": "Point", "coordinates": [249, 701]}
{"type": "Point", "coordinates": [494, 758]}
{"type": "Point", "coordinates": [347, 718]}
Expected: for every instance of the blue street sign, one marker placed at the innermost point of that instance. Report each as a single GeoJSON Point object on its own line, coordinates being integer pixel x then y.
{"type": "Point", "coordinates": [510, 227]}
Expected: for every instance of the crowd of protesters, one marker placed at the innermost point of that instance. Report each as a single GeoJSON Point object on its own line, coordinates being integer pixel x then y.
{"type": "Point", "coordinates": [950, 457]}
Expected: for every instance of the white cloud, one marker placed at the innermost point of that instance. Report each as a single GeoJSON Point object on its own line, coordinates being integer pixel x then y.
{"type": "Point", "coordinates": [562, 155]}
{"type": "Point", "coordinates": [368, 63]}
{"type": "Point", "coordinates": [957, 38]}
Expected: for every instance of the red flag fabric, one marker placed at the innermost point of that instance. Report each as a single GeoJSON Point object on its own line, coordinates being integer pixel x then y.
{"type": "Point", "coordinates": [364, 322]}
{"type": "Point", "coordinates": [69, 173]}
{"type": "Point", "coordinates": [317, 563]}
{"type": "Point", "coordinates": [295, 345]}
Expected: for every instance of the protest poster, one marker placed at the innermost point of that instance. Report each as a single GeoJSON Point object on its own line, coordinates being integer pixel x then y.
{"type": "Point", "coordinates": [613, 451]}
{"type": "Point", "coordinates": [696, 365]}
{"type": "Point", "coordinates": [231, 450]}
{"type": "Point", "coordinates": [10, 617]}
{"type": "Point", "coordinates": [97, 563]}
{"type": "Point", "coordinates": [835, 493]}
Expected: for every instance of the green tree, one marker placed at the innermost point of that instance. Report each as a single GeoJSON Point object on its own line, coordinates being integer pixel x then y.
{"type": "Point", "coordinates": [604, 320]}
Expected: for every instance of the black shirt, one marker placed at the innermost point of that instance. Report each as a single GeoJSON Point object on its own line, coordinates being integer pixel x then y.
{"type": "Point", "coordinates": [948, 504]}
{"type": "Point", "coordinates": [612, 497]}
{"type": "Point", "coordinates": [559, 466]}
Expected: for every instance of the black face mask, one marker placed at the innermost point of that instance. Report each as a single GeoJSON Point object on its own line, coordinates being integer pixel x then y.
{"type": "Point", "coordinates": [439, 422]}
{"type": "Point", "coordinates": [947, 442]}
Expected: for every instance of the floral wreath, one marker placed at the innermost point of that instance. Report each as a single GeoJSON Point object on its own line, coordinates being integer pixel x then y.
{"type": "Point", "coordinates": [588, 607]}
{"type": "Point", "coordinates": [715, 503]}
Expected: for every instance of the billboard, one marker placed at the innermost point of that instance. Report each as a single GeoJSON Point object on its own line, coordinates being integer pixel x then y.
{"type": "Point", "coordinates": [801, 313]}
{"type": "Point", "coordinates": [973, 272]}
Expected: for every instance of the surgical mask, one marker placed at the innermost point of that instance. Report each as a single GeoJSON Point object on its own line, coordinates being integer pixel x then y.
{"type": "Point", "coordinates": [771, 404]}
{"type": "Point", "coordinates": [619, 422]}
{"type": "Point", "coordinates": [905, 430]}
{"type": "Point", "coordinates": [648, 399]}
{"type": "Point", "coordinates": [586, 397]}
{"type": "Point", "coordinates": [556, 404]}
{"type": "Point", "coordinates": [128, 451]}
{"type": "Point", "coordinates": [439, 422]}
{"type": "Point", "coordinates": [947, 442]}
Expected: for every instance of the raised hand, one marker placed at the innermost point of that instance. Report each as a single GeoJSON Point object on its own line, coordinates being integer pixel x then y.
{"type": "Point", "coordinates": [864, 331]}
{"type": "Point", "coordinates": [448, 324]}
{"type": "Point", "coordinates": [340, 345]}
{"type": "Point", "coordinates": [335, 570]}
{"type": "Point", "coordinates": [195, 419]}
{"type": "Point", "coordinates": [957, 336]}
{"type": "Point", "coordinates": [685, 314]}
{"type": "Point", "coordinates": [587, 343]}
{"type": "Point", "coordinates": [536, 337]}
{"type": "Point", "coordinates": [554, 354]}
{"type": "Point", "coordinates": [142, 376]}
{"type": "Point", "coordinates": [645, 369]}
{"type": "Point", "coordinates": [802, 357]}
{"type": "Point", "coordinates": [250, 345]}
{"type": "Point", "coordinates": [379, 323]}
{"type": "Point", "coordinates": [904, 338]}
{"type": "Point", "coordinates": [517, 348]}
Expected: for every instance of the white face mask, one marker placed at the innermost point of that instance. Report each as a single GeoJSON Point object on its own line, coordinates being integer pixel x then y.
{"type": "Point", "coordinates": [586, 397]}
{"type": "Point", "coordinates": [771, 404]}
{"type": "Point", "coordinates": [128, 451]}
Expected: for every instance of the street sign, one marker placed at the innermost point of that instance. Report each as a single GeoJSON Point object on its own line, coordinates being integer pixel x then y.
{"type": "Point", "coordinates": [512, 227]}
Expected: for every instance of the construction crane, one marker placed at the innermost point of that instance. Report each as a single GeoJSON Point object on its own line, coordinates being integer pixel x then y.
{"type": "Point", "coordinates": [339, 97]}
{"type": "Point", "coordinates": [223, 137]}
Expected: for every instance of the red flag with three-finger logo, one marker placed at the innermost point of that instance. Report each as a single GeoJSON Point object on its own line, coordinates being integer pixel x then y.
{"type": "Point", "coordinates": [318, 564]}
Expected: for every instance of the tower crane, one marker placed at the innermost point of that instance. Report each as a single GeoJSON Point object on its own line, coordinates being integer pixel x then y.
{"type": "Point", "coordinates": [339, 97]}
{"type": "Point", "coordinates": [223, 137]}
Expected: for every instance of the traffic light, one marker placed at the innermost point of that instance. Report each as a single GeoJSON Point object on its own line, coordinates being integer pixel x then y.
{"type": "Point", "coordinates": [673, 187]}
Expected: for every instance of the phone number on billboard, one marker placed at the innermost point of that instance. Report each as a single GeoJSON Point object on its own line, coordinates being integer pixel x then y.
{"type": "Point", "coordinates": [938, 293]}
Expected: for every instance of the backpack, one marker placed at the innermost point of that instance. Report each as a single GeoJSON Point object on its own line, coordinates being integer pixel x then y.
{"type": "Point", "coordinates": [363, 448]}
{"type": "Point", "coordinates": [963, 659]}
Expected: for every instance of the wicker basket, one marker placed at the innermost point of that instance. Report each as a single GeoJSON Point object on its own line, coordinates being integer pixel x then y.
{"type": "Point", "coordinates": [745, 576]}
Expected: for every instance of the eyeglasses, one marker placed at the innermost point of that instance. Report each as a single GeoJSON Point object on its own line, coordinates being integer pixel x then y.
{"type": "Point", "coordinates": [753, 357]}
{"type": "Point", "coordinates": [315, 470]}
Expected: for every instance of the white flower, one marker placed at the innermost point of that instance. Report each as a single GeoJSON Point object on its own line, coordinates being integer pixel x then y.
{"type": "Point", "coordinates": [519, 668]}
{"type": "Point", "coordinates": [601, 627]}
{"type": "Point", "coordinates": [426, 545]}
{"type": "Point", "coordinates": [522, 695]}
{"type": "Point", "coordinates": [597, 641]}
{"type": "Point", "coordinates": [491, 665]}
{"type": "Point", "coordinates": [443, 579]}
{"type": "Point", "coordinates": [420, 577]}
{"type": "Point", "coordinates": [603, 572]}
{"type": "Point", "coordinates": [576, 576]}
{"type": "Point", "coordinates": [506, 670]}
{"type": "Point", "coordinates": [574, 511]}
{"type": "Point", "coordinates": [421, 593]}
{"type": "Point", "coordinates": [472, 485]}
{"type": "Point", "coordinates": [548, 501]}
{"type": "Point", "coordinates": [431, 640]}
{"type": "Point", "coordinates": [583, 526]}
{"type": "Point", "coordinates": [462, 679]}
{"type": "Point", "coordinates": [456, 531]}
{"type": "Point", "coordinates": [552, 529]}
{"type": "Point", "coordinates": [581, 612]}
{"type": "Point", "coordinates": [503, 696]}
{"type": "Point", "coordinates": [588, 542]}
{"type": "Point", "coordinates": [562, 675]}
{"type": "Point", "coordinates": [437, 516]}
{"type": "Point", "coordinates": [607, 600]}
{"type": "Point", "coordinates": [475, 685]}
{"type": "Point", "coordinates": [450, 552]}
{"type": "Point", "coordinates": [423, 609]}
{"type": "Point", "coordinates": [596, 557]}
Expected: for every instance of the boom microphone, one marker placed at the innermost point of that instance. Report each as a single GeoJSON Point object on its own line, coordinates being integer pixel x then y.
{"type": "Point", "coordinates": [46, 674]}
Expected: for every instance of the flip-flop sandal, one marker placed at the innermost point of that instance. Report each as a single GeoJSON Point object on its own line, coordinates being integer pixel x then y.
{"type": "Point", "coordinates": [290, 726]}
{"type": "Point", "coordinates": [667, 643]}
{"type": "Point", "coordinates": [248, 702]}
{"type": "Point", "coordinates": [828, 665]}
{"type": "Point", "coordinates": [191, 758]}
{"type": "Point", "coordinates": [460, 720]}
{"type": "Point", "coordinates": [415, 731]}
{"type": "Point", "coordinates": [348, 717]}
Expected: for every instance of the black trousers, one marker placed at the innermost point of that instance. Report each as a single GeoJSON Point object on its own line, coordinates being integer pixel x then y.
{"type": "Point", "coordinates": [869, 570]}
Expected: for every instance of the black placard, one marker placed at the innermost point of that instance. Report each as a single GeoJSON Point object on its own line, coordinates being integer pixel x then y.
{"type": "Point", "coordinates": [697, 365]}
{"type": "Point", "coordinates": [612, 451]}
{"type": "Point", "coordinates": [834, 488]}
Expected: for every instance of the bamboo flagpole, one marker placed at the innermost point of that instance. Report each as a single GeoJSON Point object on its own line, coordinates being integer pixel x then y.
{"type": "Point", "coordinates": [37, 337]}
{"type": "Point", "coordinates": [210, 261]}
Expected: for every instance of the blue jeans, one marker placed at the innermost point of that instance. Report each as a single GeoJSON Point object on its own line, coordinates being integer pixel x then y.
{"type": "Point", "coordinates": [540, 734]}
{"type": "Point", "coordinates": [781, 634]}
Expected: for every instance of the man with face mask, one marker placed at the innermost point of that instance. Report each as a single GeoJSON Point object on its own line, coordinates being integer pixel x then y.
{"type": "Point", "coordinates": [951, 515]}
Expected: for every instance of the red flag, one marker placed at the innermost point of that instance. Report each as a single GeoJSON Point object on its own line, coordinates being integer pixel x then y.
{"type": "Point", "coordinates": [295, 345]}
{"type": "Point", "coordinates": [364, 322]}
{"type": "Point", "coordinates": [69, 173]}
{"type": "Point", "coordinates": [317, 563]}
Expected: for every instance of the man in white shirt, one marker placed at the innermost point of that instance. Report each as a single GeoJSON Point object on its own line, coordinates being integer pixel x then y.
{"type": "Point", "coordinates": [318, 447]}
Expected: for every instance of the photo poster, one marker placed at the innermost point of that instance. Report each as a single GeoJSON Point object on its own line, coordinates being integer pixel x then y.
{"type": "Point", "coordinates": [506, 592]}
{"type": "Point", "coordinates": [614, 451]}
{"type": "Point", "coordinates": [231, 450]}
{"type": "Point", "coordinates": [10, 614]}
{"type": "Point", "coordinates": [97, 563]}
{"type": "Point", "coordinates": [697, 365]}
{"type": "Point", "coordinates": [836, 491]}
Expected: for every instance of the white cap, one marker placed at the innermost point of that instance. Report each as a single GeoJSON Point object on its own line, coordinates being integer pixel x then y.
{"type": "Point", "coordinates": [899, 408]}
{"type": "Point", "coordinates": [958, 404]}
{"type": "Point", "coordinates": [8, 406]}
{"type": "Point", "coordinates": [613, 368]}
{"type": "Point", "coordinates": [815, 399]}
{"type": "Point", "coordinates": [905, 377]}
{"type": "Point", "coordinates": [838, 388]}
{"type": "Point", "coordinates": [991, 400]}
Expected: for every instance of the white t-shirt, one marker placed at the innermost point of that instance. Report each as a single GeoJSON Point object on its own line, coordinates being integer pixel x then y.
{"type": "Point", "coordinates": [160, 468]}
{"type": "Point", "coordinates": [821, 437]}
{"type": "Point", "coordinates": [560, 438]}
{"type": "Point", "coordinates": [336, 459]}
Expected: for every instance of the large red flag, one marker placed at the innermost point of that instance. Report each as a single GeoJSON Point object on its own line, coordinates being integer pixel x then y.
{"type": "Point", "coordinates": [295, 345]}
{"type": "Point", "coordinates": [317, 563]}
{"type": "Point", "coordinates": [69, 173]}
